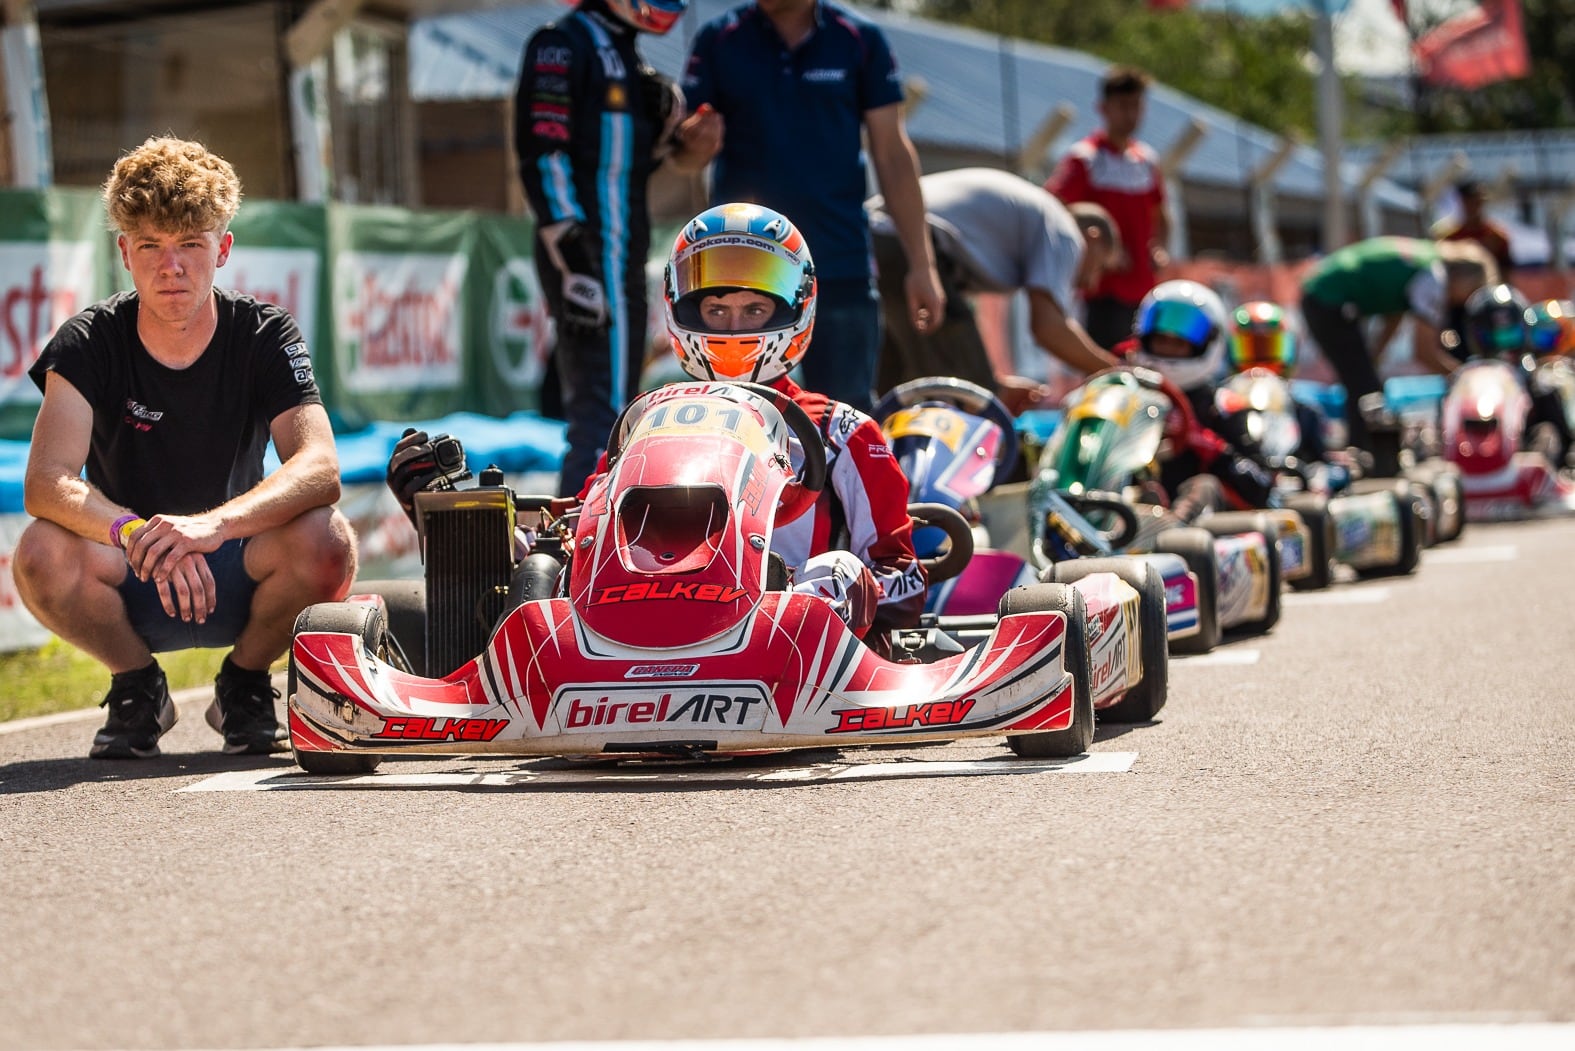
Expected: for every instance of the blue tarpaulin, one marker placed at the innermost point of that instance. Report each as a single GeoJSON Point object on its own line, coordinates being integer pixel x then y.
{"type": "Point", "coordinates": [520, 443]}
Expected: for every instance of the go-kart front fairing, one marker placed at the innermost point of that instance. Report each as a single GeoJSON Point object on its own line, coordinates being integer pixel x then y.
{"type": "Point", "coordinates": [1485, 413]}
{"type": "Point", "coordinates": [668, 640]}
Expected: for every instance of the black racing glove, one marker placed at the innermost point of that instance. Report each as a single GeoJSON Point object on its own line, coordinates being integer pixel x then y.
{"type": "Point", "coordinates": [584, 294]}
{"type": "Point", "coordinates": [419, 463]}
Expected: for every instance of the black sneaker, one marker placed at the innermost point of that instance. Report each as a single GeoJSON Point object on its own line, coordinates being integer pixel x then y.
{"type": "Point", "coordinates": [139, 715]}
{"type": "Point", "coordinates": [242, 710]}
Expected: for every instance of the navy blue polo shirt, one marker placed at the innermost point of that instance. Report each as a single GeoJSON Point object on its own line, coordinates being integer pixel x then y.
{"type": "Point", "coordinates": [792, 122]}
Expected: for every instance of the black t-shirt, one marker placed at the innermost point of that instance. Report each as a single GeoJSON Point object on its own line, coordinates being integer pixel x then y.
{"type": "Point", "coordinates": [181, 441]}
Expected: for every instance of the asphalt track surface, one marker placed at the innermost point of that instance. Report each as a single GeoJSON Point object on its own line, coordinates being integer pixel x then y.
{"type": "Point", "coordinates": [1363, 819]}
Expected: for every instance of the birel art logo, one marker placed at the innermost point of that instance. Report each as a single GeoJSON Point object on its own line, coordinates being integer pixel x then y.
{"type": "Point", "coordinates": [625, 709]}
{"type": "Point", "coordinates": [866, 720]}
{"type": "Point", "coordinates": [399, 318]}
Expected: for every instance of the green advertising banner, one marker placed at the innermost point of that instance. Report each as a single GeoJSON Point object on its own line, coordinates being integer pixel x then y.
{"type": "Point", "coordinates": [409, 315]}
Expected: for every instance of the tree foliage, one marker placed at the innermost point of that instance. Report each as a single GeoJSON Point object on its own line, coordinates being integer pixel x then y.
{"type": "Point", "coordinates": [1259, 68]}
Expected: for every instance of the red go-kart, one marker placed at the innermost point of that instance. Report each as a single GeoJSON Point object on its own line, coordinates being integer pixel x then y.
{"type": "Point", "coordinates": [655, 622]}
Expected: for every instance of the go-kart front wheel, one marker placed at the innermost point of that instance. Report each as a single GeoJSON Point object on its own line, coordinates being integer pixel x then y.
{"type": "Point", "coordinates": [1142, 702]}
{"type": "Point", "coordinates": [1075, 739]}
{"type": "Point", "coordinates": [1196, 548]}
{"type": "Point", "coordinates": [350, 618]}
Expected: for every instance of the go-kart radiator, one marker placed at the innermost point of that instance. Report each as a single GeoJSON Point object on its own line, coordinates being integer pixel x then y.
{"type": "Point", "coordinates": [467, 546]}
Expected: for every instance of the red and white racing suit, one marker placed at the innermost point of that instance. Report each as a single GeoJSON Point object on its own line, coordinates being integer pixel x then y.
{"type": "Point", "coordinates": [863, 509]}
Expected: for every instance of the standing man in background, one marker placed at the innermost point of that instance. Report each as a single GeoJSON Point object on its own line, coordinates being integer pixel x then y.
{"type": "Point", "coordinates": [994, 232]}
{"type": "Point", "coordinates": [591, 123]}
{"type": "Point", "coordinates": [1472, 224]}
{"type": "Point", "coordinates": [781, 90]}
{"type": "Point", "coordinates": [1114, 169]}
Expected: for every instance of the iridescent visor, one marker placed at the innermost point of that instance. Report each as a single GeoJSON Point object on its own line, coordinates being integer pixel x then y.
{"type": "Point", "coordinates": [1177, 319]}
{"type": "Point", "coordinates": [737, 266]}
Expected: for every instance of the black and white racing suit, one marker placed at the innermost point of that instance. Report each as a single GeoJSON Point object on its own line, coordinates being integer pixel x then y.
{"type": "Point", "coordinates": [588, 120]}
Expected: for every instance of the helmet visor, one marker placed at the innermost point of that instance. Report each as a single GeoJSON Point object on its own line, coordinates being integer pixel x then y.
{"type": "Point", "coordinates": [1183, 320]}
{"type": "Point", "coordinates": [722, 268]}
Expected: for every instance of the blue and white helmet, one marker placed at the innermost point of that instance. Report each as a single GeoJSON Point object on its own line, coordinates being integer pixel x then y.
{"type": "Point", "coordinates": [1190, 312]}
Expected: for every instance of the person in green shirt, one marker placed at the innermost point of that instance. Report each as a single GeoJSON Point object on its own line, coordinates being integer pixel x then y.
{"type": "Point", "coordinates": [1389, 278]}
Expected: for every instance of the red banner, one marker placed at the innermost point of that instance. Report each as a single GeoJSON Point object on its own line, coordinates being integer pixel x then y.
{"type": "Point", "coordinates": [1481, 46]}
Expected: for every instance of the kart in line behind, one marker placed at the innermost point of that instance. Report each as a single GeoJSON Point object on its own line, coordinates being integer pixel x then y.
{"type": "Point", "coordinates": [953, 440]}
{"type": "Point", "coordinates": [655, 622]}
{"type": "Point", "coordinates": [1101, 463]}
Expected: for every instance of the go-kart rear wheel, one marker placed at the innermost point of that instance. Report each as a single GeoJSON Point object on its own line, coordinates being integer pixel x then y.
{"type": "Point", "coordinates": [351, 618]}
{"type": "Point", "coordinates": [1075, 739]}
{"type": "Point", "coordinates": [1196, 548]}
{"type": "Point", "coordinates": [1234, 523]}
{"type": "Point", "coordinates": [1143, 701]}
{"type": "Point", "coordinates": [406, 602]}
{"type": "Point", "coordinates": [1314, 510]}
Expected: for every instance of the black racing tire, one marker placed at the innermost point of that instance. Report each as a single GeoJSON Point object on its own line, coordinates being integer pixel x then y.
{"type": "Point", "coordinates": [1448, 497]}
{"type": "Point", "coordinates": [1314, 510]}
{"type": "Point", "coordinates": [1411, 524]}
{"type": "Point", "coordinates": [1075, 739]}
{"type": "Point", "coordinates": [1142, 702]}
{"type": "Point", "coordinates": [406, 601]}
{"type": "Point", "coordinates": [1196, 548]}
{"type": "Point", "coordinates": [352, 618]}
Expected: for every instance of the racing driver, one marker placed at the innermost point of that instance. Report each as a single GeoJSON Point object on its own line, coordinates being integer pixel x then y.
{"type": "Point", "coordinates": [740, 301]}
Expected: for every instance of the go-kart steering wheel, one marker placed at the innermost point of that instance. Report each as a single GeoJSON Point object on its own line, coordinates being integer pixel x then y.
{"type": "Point", "coordinates": [960, 394]}
{"type": "Point", "coordinates": [807, 481]}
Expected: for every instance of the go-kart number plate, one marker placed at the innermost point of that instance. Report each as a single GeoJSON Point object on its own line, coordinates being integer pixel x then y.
{"type": "Point", "coordinates": [623, 709]}
{"type": "Point", "coordinates": [691, 418]}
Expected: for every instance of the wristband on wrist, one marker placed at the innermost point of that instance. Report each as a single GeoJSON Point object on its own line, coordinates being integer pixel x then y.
{"type": "Point", "coordinates": [121, 529]}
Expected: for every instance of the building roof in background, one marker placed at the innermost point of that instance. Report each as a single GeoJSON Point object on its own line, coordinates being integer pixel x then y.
{"type": "Point", "coordinates": [1539, 161]}
{"type": "Point", "coordinates": [982, 92]}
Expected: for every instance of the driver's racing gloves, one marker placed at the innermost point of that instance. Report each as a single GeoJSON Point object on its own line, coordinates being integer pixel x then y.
{"type": "Point", "coordinates": [420, 462]}
{"type": "Point", "coordinates": [845, 582]}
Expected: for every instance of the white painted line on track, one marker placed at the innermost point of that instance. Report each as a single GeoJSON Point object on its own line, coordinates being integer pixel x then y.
{"type": "Point", "coordinates": [1470, 555]}
{"type": "Point", "coordinates": [266, 780]}
{"type": "Point", "coordinates": [1336, 596]}
{"type": "Point", "coordinates": [1441, 1037]}
{"type": "Point", "coordinates": [1226, 656]}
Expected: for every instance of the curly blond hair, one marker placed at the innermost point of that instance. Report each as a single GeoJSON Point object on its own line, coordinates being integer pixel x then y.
{"type": "Point", "coordinates": [174, 186]}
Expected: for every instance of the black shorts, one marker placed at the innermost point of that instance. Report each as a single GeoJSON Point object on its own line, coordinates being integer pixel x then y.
{"type": "Point", "coordinates": [233, 591]}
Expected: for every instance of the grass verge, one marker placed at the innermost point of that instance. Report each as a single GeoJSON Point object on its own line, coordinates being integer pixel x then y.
{"type": "Point", "coordinates": [59, 677]}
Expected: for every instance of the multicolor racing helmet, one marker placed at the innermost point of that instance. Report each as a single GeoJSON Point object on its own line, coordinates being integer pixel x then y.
{"type": "Point", "coordinates": [1498, 322]}
{"type": "Point", "coordinates": [1192, 313]}
{"type": "Point", "coordinates": [1553, 327]}
{"type": "Point", "coordinates": [649, 16]}
{"type": "Point", "coordinates": [740, 248]}
{"type": "Point", "coordinates": [1261, 338]}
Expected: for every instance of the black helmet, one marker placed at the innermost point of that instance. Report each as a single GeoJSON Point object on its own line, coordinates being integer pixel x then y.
{"type": "Point", "coordinates": [1498, 322]}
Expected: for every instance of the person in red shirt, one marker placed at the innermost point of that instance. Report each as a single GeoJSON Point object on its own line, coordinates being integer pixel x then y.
{"type": "Point", "coordinates": [1472, 224]}
{"type": "Point", "coordinates": [1114, 169]}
